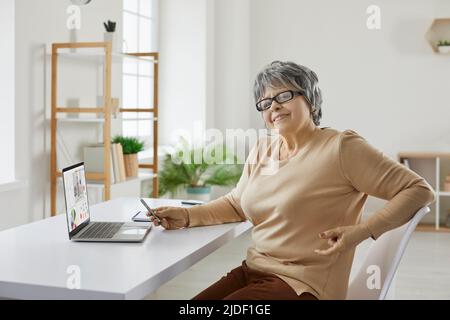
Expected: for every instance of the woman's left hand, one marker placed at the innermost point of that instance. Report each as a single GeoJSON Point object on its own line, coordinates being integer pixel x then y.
{"type": "Point", "coordinates": [343, 238]}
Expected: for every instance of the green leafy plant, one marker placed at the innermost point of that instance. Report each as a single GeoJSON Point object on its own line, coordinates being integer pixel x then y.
{"type": "Point", "coordinates": [223, 171]}
{"type": "Point", "coordinates": [443, 43]}
{"type": "Point", "coordinates": [130, 145]}
{"type": "Point", "coordinates": [110, 26]}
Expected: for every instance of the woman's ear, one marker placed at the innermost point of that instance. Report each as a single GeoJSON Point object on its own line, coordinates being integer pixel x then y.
{"type": "Point", "coordinates": [312, 110]}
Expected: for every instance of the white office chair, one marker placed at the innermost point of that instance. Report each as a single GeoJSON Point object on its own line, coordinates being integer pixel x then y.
{"type": "Point", "coordinates": [384, 253]}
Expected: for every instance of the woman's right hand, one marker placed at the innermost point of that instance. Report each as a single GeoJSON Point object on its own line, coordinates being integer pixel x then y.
{"type": "Point", "coordinates": [171, 217]}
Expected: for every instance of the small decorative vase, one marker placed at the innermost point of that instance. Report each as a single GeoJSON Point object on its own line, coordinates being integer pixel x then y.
{"type": "Point", "coordinates": [444, 49]}
{"type": "Point", "coordinates": [111, 37]}
{"type": "Point", "coordinates": [199, 193]}
{"type": "Point", "coordinates": [131, 165]}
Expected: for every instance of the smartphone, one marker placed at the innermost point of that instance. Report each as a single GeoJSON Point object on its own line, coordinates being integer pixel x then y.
{"type": "Point", "coordinates": [150, 210]}
{"type": "Point", "coordinates": [192, 202]}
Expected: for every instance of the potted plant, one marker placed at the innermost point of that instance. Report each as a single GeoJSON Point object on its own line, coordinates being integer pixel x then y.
{"type": "Point", "coordinates": [443, 46]}
{"type": "Point", "coordinates": [131, 146]}
{"type": "Point", "coordinates": [197, 177]}
{"type": "Point", "coordinates": [109, 36]}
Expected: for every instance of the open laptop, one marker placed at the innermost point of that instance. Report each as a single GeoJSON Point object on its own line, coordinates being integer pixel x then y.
{"type": "Point", "coordinates": [78, 216]}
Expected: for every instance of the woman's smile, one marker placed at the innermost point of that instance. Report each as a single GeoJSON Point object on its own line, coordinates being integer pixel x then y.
{"type": "Point", "coordinates": [280, 117]}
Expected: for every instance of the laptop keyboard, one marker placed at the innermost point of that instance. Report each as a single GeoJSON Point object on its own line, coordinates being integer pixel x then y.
{"type": "Point", "coordinates": [101, 230]}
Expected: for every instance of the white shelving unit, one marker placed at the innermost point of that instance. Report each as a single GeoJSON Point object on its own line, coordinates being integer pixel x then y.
{"type": "Point", "coordinates": [431, 170]}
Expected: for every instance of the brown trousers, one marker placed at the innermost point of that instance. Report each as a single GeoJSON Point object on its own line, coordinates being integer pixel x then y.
{"type": "Point", "coordinates": [243, 283]}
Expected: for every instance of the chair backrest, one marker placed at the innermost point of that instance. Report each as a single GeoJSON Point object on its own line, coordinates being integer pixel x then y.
{"type": "Point", "coordinates": [384, 255]}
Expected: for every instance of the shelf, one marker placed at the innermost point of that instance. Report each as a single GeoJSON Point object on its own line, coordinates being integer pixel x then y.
{"type": "Point", "coordinates": [141, 177]}
{"type": "Point", "coordinates": [102, 120]}
{"type": "Point", "coordinates": [140, 119]}
{"type": "Point", "coordinates": [146, 110]}
{"type": "Point", "coordinates": [79, 110]}
{"type": "Point", "coordinates": [425, 227]}
{"type": "Point", "coordinates": [430, 169]}
{"type": "Point", "coordinates": [99, 176]}
{"type": "Point", "coordinates": [100, 110]}
{"type": "Point", "coordinates": [82, 120]}
{"type": "Point", "coordinates": [89, 175]}
{"type": "Point", "coordinates": [423, 155]}
{"type": "Point", "coordinates": [98, 56]}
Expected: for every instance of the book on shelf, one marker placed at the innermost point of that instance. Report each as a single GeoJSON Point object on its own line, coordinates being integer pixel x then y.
{"type": "Point", "coordinates": [94, 161]}
{"type": "Point", "coordinates": [122, 172]}
{"type": "Point", "coordinates": [115, 162]}
{"type": "Point", "coordinates": [119, 164]}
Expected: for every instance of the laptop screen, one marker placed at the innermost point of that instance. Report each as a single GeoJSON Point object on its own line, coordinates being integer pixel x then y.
{"type": "Point", "coordinates": [77, 207]}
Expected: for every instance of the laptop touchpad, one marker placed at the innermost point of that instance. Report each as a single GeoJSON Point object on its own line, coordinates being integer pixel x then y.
{"type": "Point", "coordinates": [133, 231]}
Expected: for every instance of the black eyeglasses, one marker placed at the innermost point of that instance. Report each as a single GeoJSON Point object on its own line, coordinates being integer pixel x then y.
{"type": "Point", "coordinates": [282, 97]}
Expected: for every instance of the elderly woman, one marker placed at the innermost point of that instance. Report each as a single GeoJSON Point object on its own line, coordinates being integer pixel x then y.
{"type": "Point", "coordinates": [307, 215]}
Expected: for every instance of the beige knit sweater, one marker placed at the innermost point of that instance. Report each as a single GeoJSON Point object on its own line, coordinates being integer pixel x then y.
{"type": "Point", "coordinates": [325, 185]}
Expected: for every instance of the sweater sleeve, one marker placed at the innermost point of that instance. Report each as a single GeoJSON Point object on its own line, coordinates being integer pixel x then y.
{"type": "Point", "coordinates": [227, 208]}
{"type": "Point", "coordinates": [373, 173]}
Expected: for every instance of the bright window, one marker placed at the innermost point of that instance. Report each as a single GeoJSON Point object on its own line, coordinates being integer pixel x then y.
{"type": "Point", "coordinates": [139, 35]}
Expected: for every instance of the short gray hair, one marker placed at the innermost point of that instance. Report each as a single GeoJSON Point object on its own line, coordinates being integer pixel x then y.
{"type": "Point", "coordinates": [289, 74]}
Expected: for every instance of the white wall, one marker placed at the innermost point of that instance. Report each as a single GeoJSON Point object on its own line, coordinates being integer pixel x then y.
{"type": "Point", "coordinates": [386, 84]}
{"type": "Point", "coordinates": [204, 69]}
{"type": "Point", "coordinates": [183, 74]}
{"type": "Point", "coordinates": [233, 81]}
{"type": "Point", "coordinates": [7, 168]}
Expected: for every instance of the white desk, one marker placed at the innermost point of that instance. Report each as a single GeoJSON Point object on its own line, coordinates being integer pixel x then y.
{"type": "Point", "coordinates": [34, 258]}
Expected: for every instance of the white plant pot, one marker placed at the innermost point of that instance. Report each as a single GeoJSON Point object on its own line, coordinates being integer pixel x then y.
{"type": "Point", "coordinates": [203, 194]}
{"type": "Point", "coordinates": [444, 49]}
{"type": "Point", "coordinates": [111, 37]}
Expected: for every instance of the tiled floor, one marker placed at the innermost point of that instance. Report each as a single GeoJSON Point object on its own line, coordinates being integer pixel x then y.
{"type": "Point", "coordinates": [424, 272]}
